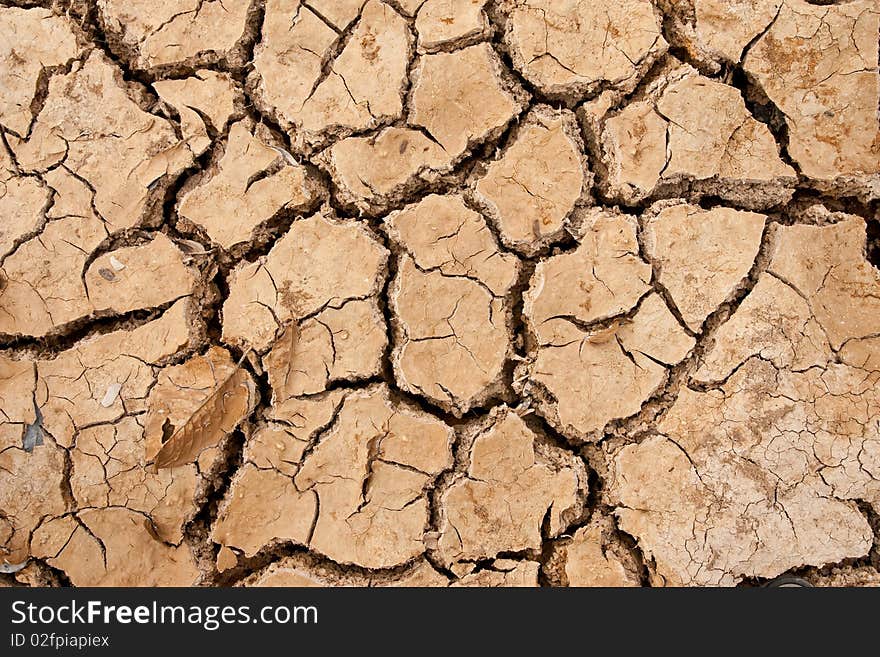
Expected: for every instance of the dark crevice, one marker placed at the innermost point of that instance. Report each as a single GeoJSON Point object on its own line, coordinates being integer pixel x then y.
{"type": "Point", "coordinates": [67, 335]}
{"type": "Point", "coordinates": [873, 249]}
{"type": "Point", "coordinates": [214, 487]}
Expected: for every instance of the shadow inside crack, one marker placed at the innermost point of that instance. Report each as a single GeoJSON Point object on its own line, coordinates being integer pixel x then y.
{"type": "Point", "coordinates": [873, 250]}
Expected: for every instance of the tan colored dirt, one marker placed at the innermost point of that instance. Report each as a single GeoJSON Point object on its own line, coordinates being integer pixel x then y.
{"type": "Point", "coordinates": [511, 486]}
{"type": "Point", "coordinates": [451, 278]}
{"type": "Point", "coordinates": [667, 145]}
{"type": "Point", "coordinates": [574, 48]}
{"type": "Point", "coordinates": [537, 184]}
{"type": "Point", "coordinates": [439, 293]}
{"type": "Point", "coordinates": [817, 66]}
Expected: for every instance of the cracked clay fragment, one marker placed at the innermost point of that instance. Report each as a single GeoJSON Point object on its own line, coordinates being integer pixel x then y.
{"type": "Point", "coordinates": [320, 262]}
{"type": "Point", "coordinates": [818, 65]}
{"type": "Point", "coordinates": [44, 287]}
{"type": "Point", "coordinates": [226, 559]}
{"type": "Point", "coordinates": [264, 506]}
{"type": "Point", "coordinates": [358, 496]}
{"type": "Point", "coordinates": [449, 302]}
{"type": "Point", "coordinates": [826, 265]}
{"type": "Point", "coordinates": [504, 573]}
{"type": "Point", "coordinates": [275, 446]}
{"type": "Point", "coordinates": [288, 57]}
{"type": "Point", "coordinates": [408, 156]}
{"type": "Point", "coordinates": [175, 31]}
{"type": "Point", "coordinates": [361, 88]}
{"type": "Point", "coordinates": [98, 550]}
{"type": "Point", "coordinates": [250, 184]}
{"type": "Point", "coordinates": [262, 489]}
{"type": "Point", "coordinates": [513, 484]}
{"type": "Point", "coordinates": [702, 256]}
{"type": "Point", "coordinates": [538, 182]}
{"type": "Point", "coordinates": [773, 322]}
{"type": "Point", "coordinates": [31, 476]}
{"type": "Point", "coordinates": [604, 342]}
{"type": "Point", "coordinates": [205, 102]}
{"type": "Point", "coordinates": [593, 558]}
{"type": "Point", "coordinates": [110, 470]}
{"type": "Point", "coordinates": [34, 40]}
{"type": "Point", "coordinates": [337, 344]}
{"type": "Point", "coordinates": [370, 473]}
{"type": "Point", "coordinates": [463, 98]}
{"type": "Point", "coordinates": [188, 416]}
{"type": "Point", "coordinates": [154, 274]}
{"type": "Point", "coordinates": [364, 85]}
{"type": "Point", "coordinates": [603, 277]}
{"type": "Point", "coordinates": [442, 23]}
{"type": "Point", "coordinates": [571, 49]}
{"type": "Point", "coordinates": [79, 127]}
{"type": "Point", "coordinates": [586, 377]}
{"type": "Point", "coordinates": [47, 288]}
{"type": "Point", "coordinates": [689, 136]}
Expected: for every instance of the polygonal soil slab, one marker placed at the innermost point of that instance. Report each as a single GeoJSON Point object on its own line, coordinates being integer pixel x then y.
{"type": "Point", "coordinates": [512, 486]}
{"type": "Point", "coordinates": [571, 49]}
{"type": "Point", "coordinates": [757, 466]}
{"type": "Point", "coordinates": [689, 136]}
{"type": "Point", "coordinates": [532, 191]}
{"type": "Point", "coordinates": [175, 32]}
{"type": "Point", "coordinates": [302, 275]}
{"type": "Point", "coordinates": [449, 303]}
{"type": "Point", "coordinates": [361, 88]}
{"type": "Point", "coordinates": [358, 492]}
{"type": "Point", "coordinates": [442, 24]}
{"type": "Point", "coordinates": [253, 182]}
{"type": "Point", "coordinates": [463, 97]}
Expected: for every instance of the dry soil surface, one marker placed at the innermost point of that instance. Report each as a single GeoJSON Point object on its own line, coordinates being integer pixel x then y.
{"type": "Point", "coordinates": [439, 292]}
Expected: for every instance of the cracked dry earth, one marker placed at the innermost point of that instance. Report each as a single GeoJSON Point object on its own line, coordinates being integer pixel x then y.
{"type": "Point", "coordinates": [439, 292]}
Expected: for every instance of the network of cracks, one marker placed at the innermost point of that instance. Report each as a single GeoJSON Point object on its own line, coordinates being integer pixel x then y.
{"type": "Point", "coordinates": [439, 292]}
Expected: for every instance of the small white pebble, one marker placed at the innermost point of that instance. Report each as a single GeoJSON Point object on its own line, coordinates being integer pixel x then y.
{"type": "Point", "coordinates": [290, 159]}
{"type": "Point", "coordinates": [111, 394]}
{"type": "Point", "coordinates": [117, 266]}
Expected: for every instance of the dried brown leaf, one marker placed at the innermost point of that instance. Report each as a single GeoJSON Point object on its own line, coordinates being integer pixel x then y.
{"type": "Point", "coordinates": [233, 399]}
